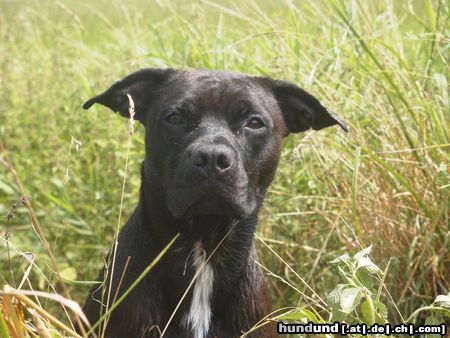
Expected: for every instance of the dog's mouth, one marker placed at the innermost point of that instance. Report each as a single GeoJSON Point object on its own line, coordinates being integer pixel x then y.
{"type": "Point", "coordinates": [210, 205]}
{"type": "Point", "coordinates": [208, 201]}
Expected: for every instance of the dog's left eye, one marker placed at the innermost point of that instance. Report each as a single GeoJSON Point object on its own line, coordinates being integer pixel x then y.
{"type": "Point", "coordinates": [174, 118]}
{"type": "Point", "coordinates": [254, 123]}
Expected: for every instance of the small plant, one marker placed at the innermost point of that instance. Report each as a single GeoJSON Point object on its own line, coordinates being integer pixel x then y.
{"type": "Point", "coordinates": [357, 300]}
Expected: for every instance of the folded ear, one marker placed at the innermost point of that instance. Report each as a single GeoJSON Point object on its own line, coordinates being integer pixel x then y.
{"type": "Point", "coordinates": [141, 86]}
{"type": "Point", "coordinates": [300, 109]}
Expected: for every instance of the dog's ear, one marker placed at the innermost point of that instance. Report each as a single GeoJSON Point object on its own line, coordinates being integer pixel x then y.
{"type": "Point", "coordinates": [300, 109]}
{"type": "Point", "coordinates": [141, 86]}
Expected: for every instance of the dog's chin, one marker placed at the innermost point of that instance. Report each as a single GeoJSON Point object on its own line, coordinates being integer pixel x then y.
{"type": "Point", "coordinates": [209, 205]}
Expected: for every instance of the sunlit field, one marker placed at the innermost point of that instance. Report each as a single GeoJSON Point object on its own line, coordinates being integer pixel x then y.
{"type": "Point", "coordinates": [383, 66]}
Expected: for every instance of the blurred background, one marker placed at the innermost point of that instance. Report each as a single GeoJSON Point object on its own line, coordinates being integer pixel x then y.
{"type": "Point", "coordinates": [383, 66]}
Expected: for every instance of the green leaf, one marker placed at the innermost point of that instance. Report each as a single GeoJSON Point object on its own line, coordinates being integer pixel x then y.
{"type": "Point", "coordinates": [366, 264]}
{"type": "Point", "coordinates": [346, 276]}
{"type": "Point", "coordinates": [350, 299]}
{"type": "Point", "coordinates": [364, 252]}
{"type": "Point", "coordinates": [433, 320]}
{"type": "Point", "coordinates": [366, 271]}
{"type": "Point", "coordinates": [341, 259]}
{"type": "Point", "coordinates": [377, 313]}
{"type": "Point", "coordinates": [298, 315]}
{"type": "Point", "coordinates": [381, 312]}
{"type": "Point", "coordinates": [338, 316]}
{"type": "Point", "coordinates": [442, 301]}
{"type": "Point", "coordinates": [366, 312]}
{"type": "Point", "coordinates": [334, 297]}
{"type": "Point", "coordinates": [366, 279]}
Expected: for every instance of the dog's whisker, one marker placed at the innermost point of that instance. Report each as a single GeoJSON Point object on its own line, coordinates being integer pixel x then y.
{"type": "Point", "coordinates": [186, 261]}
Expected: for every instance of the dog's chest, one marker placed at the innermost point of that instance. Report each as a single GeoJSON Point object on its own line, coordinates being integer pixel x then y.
{"type": "Point", "coordinates": [198, 317]}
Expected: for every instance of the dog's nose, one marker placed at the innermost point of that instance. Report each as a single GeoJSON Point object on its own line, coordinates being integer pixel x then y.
{"type": "Point", "coordinates": [215, 157]}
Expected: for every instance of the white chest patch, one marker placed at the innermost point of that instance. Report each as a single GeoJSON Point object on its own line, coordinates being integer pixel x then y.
{"type": "Point", "coordinates": [199, 316]}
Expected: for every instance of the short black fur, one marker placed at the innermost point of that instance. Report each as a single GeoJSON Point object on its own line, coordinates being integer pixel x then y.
{"type": "Point", "coordinates": [207, 167]}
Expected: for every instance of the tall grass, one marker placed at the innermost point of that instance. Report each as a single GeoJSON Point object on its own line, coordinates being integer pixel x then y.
{"type": "Point", "coordinates": [381, 65]}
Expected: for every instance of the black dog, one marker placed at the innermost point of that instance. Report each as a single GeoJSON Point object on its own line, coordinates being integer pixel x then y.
{"type": "Point", "coordinates": [212, 143]}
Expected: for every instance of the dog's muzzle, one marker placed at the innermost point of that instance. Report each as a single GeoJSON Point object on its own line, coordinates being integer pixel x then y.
{"type": "Point", "coordinates": [209, 181]}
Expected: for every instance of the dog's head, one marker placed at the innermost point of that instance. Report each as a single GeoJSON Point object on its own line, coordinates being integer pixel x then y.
{"type": "Point", "coordinates": [213, 138]}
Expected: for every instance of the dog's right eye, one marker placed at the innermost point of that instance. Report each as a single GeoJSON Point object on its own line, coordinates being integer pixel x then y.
{"type": "Point", "coordinates": [174, 118]}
